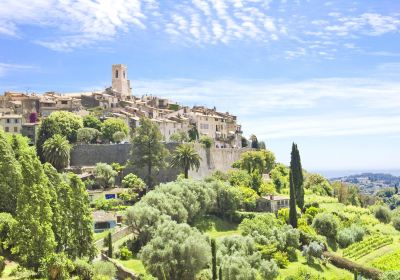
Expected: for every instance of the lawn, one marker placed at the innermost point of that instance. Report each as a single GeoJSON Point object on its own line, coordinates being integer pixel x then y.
{"type": "Point", "coordinates": [330, 272]}
{"type": "Point", "coordinates": [100, 235]}
{"type": "Point", "coordinates": [135, 265]}
{"type": "Point", "coordinates": [216, 227]}
{"type": "Point", "coordinates": [10, 267]}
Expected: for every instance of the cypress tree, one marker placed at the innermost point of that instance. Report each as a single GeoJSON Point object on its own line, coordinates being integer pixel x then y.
{"type": "Point", "coordinates": [110, 246]}
{"type": "Point", "coordinates": [292, 203]}
{"type": "Point", "coordinates": [214, 259]}
{"type": "Point", "coordinates": [297, 176]}
{"type": "Point", "coordinates": [220, 273]}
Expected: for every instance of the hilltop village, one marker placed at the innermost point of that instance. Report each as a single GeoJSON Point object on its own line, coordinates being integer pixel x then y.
{"type": "Point", "coordinates": [22, 112]}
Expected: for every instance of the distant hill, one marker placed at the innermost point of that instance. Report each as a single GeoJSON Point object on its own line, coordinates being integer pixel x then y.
{"type": "Point", "coordinates": [370, 182]}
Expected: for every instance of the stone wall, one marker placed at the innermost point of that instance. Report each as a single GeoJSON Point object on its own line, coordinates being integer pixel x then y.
{"type": "Point", "coordinates": [212, 159]}
{"type": "Point", "coordinates": [122, 272]}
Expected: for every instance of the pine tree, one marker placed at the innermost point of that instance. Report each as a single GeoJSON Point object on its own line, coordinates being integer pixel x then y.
{"type": "Point", "coordinates": [110, 246]}
{"type": "Point", "coordinates": [81, 239]}
{"type": "Point", "coordinates": [147, 150]}
{"type": "Point", "coordinates": [292, 204]}
{"type": "Point", "coordinates": [297, 176]}
{"type": "Point", "coordinates": [33, 237]}
{"type": "Point", "coordinates": [214, 259]}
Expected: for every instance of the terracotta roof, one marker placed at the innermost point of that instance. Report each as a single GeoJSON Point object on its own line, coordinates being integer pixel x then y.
{"type": "Point", "coordinates": [103, 216]}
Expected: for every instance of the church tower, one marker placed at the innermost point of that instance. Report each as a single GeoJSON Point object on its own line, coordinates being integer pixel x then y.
{"type": "Point", "coordinates": [120, 82]}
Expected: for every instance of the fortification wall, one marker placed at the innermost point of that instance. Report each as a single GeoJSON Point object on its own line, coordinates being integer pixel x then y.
{"type": "Point", "coordinates": [211, 159]}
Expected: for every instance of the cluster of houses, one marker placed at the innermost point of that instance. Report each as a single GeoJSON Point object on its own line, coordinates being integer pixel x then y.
{"type": "Point", "coordinates": [21, 112]}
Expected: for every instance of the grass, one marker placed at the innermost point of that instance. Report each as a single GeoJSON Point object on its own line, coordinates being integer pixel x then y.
{"type": "Point", "coordinates": [371, 257]}
{"type": "Point", "coordinates": [134, 264]}
{"type": "Point", "coordinates": [329, 272]}
{"type": "Point", "coordinates": [99, 235]}
{"type": "Point", "coordinates": [10, 267]}
{"type": "Point", "coordinates": [216, 227]}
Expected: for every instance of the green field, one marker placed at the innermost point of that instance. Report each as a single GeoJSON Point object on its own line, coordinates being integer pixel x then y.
{"type": "Point", "coordinates": [134, 264]}
{"type": "Point", "coordinates": [216, 227]}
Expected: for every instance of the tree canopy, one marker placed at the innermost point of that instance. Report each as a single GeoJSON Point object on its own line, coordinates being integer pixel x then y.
{"type": "Point", "coordinates": [185, 157]}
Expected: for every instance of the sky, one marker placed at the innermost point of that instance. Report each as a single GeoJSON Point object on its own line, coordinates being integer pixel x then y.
{"type": "Point", "coordinates": [323, 74]}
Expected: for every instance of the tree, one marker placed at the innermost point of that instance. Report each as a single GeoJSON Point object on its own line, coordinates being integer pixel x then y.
{"type": "Point", "coordinates": [214, 259]}
{"type": "Point", "coordinates": [91, 121]}
{"type": "Point", "coordinates": [254, 142]}
{"type": "Point", "coordinates": [118, 136]}
{"type": "Point", "coordinates": [193, 133]}
{"type": "Point", "coordinates": [104, 174]}
{"type": "Point", "coordinates": [60, 122]}
{"type": "Point", "coordinates": [296, 173]}
{"type": "Point", "coordinates": [88, 135]}
{"type": "Point", "coordinates": [383, 214]}
{"type": "Point", "coordinates": [10, 176]}
{"type": "Point", "coordinates": [135, 188]}
{"type": "Point", "coordinates": [311, 251]}
{"type": "Point", "coordinates": [57, 267]}
{"type": "Point", "coordinates": [244, 141]}
{"type": "Point", "coordinates": [7, 222]}
{"type": "Point", "coordinates": [185, 157]}
{"type": "Point", "coordinates": [326, 224]}
{"type": "Point", "coordinates": [33, 236]}
{"type": "Point", "coordinates": [262, 145]}
{"type": "Point", "coordinates": [147, 150]}
{"type": "Point", "coordinates": [56, 151]}
{"type": "Point", "coordinates": [179, 137]}
{"type": "Point", "coordinates": [176, 244]}
{"type": "Point", "coordinates": [113, 125]}
{"type": "Point", "coordinates": [81, 239]}
{"type": "Point", "coordinates": [206, 141]}
{"type": "Point", "coordinates": [110, 246]}
{"type": "Point", "coordinates": [292, 204]}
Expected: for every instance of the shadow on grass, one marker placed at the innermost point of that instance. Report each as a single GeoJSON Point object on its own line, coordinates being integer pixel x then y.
{"type": "Point", "coordinates": [332, 244]}
{"type": "Point", "coordinates": [213, 223]}
{"type": "Point", "coordinates": [314, 265]}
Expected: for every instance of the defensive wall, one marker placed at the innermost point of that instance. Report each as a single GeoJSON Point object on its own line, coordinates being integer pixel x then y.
{"type": "Point", "coordinates": [212, 159]}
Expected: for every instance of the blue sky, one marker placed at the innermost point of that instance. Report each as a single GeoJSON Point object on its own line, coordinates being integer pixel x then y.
{"type": "Point", "coordinates": [324, 74]}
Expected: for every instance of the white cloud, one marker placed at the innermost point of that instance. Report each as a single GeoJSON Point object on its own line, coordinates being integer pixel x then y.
{"type": "Point", "coordinates": [6, 68]}
{"type": "Point", "coordinates": [274, 109]}
{"type": "Point", "coordinates": [78, 23]}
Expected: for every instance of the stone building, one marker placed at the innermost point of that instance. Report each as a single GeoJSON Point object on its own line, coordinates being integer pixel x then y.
{"type": "Point", "coordinates": [11, 123]}
{"type": "Point", "coordinates": [120, 83]}
{"type": "Point", "coordinates": [272, 203]}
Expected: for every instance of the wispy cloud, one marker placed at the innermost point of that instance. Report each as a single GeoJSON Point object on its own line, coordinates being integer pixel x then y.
{"type": "Point", "coordinates": [6, 67]}
{"type": "Point", "coordinates": [279, 109]}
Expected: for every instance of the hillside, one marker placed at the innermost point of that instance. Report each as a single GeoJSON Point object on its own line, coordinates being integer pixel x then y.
{"type": "Point", "coordinates": [370, 182]}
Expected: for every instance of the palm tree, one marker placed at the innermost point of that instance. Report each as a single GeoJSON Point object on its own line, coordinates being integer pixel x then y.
{"type": "Point", "coordinates": [56, 150]}
{"type": "Point", "coordinates": [186, 157]}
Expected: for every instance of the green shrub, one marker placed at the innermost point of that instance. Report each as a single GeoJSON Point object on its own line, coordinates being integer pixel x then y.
{"type": "Point", "coordinates": [2, 265]}
{"type": "Point", "coordinates": [57, 267]}
{"type": "Point", "coordinates": [348, 236]}
{"type": "Point", "coordinates": [292, 254]}
{"type": "Point", "coordinates": [313, 211]}
{"type": "Point", "coordinates": [281, 259]}
{"type": "Point", "coordinates": [104, 269]}
{"type": "Point", "coordinates": [269, 270]}
{"type": "Point", "coordinates": [206, 141]}
{"type": "Point", "coordinates": [326, 224]}
{"type": "Point", "coordinates": [396, 222]}
{"type": "Point", "coordinates": [382, 213]}
{"type": "Point", "coordinates": [125, 253]}
{"type": "Point", "coordinates": [83, 270]}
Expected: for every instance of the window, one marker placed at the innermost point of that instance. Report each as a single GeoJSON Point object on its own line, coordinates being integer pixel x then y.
{"type": "Point", "coordinates": [8, 120]}
{"type": "Point", "coordinates": [7, 129]}
{"type": "Point", "coordinates": [64, 102]}
{"type": "Point", "coordinates": [124, 74]}
{"type": "Point", "coordinates": [116, 74]}
{"type": "Point", "coordinates": [16, 120]}
{"type": "Point", "coordinates": [15, 129]}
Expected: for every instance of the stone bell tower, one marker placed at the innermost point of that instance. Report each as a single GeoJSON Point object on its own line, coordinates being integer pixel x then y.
{"type": "Point", "coordinates": [120, 82]}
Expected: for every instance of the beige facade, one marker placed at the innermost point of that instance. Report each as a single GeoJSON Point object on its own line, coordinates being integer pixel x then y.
{"type": "Point", "coordinates": [11, 123]}
{"type": "Point", "coordinates": [120, 83]}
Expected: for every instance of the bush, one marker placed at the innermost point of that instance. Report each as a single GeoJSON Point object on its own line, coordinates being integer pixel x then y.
{"type": "Point", "coordinates": [326, 225]}
{"type": "Point", "coordinates": [2, 265]}
{"type": "Point", "coordinates": [57, 267]}
{"type": "Point", "coordinates": [292, 254]}
{"type": "Point", "coordinates": [314, 250]}
{"type": "Point", "coordinates": [382, 213]}
{"type": "Point", "coordinates": [118, 136]}
{"type": "Point", "coordinates": [206, 141]}
{"type": "Point", "coordinates": [350, 235]}
{"type": "Point", "coordinates": [125, 253]}
{"type": "Point", "coordinates": [396, 222]}
{"type": "Point", "coordinates": [87, 135]}
{"type": "Point", "coordinates": [83, 270]}
{"type": "Point", "coordinates": [104, 269]}
{"type": "Point", "coordinates": [269, 270]}
{"type": "Point", "coordinates": [313, 211]}
{"type": "Point", "coordinates": [281, 259]}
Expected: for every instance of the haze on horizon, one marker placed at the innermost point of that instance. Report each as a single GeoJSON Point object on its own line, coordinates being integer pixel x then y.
{"type": "Point", "coordinates": [324, 74]}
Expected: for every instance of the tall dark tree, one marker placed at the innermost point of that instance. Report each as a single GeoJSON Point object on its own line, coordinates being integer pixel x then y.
{"type": "Point", "coordinates": [254, 142]}
{"type": "Point", "coordinates": [110, 246]}
{"type": "Point", "coordinates": [147, 150]}
{"type": "Point", "coordinates": [292, 204]}
{"type": "Point", "coordinates": [214, 259]}
{"type": "Point", "coordinates": [296, 172]}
